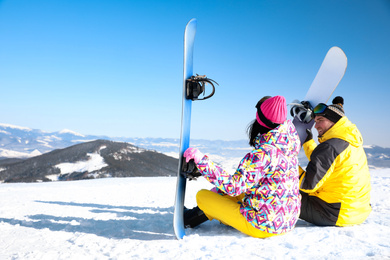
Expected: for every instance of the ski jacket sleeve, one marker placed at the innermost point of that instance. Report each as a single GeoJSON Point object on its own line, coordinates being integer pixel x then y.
{"type": "Point", "coordinates": [322, 164]}
{"type": "Point", "coordinates": [319, 168]}
{"type": "Point", "coordinates": [250, 170]}
{"type": "Point", "coordinates": [309, 147]}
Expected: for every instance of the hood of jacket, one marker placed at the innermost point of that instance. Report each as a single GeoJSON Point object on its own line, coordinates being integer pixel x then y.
{"type": "Point", "coordinates": [284, 137]}
{"type": "Point", "coordinates": [345, 130]}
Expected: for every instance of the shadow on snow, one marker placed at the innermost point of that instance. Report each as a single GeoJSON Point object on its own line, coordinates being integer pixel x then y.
{"type": "Point", "coordinates": [143, 223]}
{"type": "Point", "coordinates": [130, 222]}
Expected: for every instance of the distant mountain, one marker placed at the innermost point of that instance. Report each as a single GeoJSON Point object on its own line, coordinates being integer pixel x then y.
{"type": "Point", "coordinates": [95, 159]}
{"type": "Point", "coordinates": [20, 144]}
{"type": "Point", "coordinates": [23, 142]}
{"type": "Point", "coordinates": [377, 156]}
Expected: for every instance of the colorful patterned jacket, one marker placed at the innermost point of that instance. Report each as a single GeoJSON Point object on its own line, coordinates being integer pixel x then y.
{"type": "Point", "coordinates": [268, 177]}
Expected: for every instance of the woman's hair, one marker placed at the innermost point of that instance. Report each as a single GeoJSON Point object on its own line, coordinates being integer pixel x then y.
{"type": "Point", "coordinates": [254, 128]}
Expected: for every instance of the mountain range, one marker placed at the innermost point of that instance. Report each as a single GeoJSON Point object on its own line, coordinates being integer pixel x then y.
{"type": "Point", "coordinates": [93, 159]}
{"type": "Point", "coordinates": [23, 142]}
{"type": "Point", "coordinates": [28, 155]}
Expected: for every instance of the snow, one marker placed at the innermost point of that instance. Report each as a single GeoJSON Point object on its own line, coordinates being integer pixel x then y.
{"type": "Point", "coordinates": [131, 218]}
{"type": "Point", "coordinates": [47, 139]}
{"type": "Point", "coordinates": [94, 163]}
{"type": "Point", "coordinates": [14, 154]}
{"type": "Point", "coordinates": [36, 152]}
{"type": "Point", "coordinates": [173, 154]}
{"type": "Point", "coordinates": [5, 132]}
{"type": "Point", "coordinates": [166, 144]}
{"type": "Point", "coordinates": [15, 127]}
{"type": "Point", "coordinates": [67, 131]}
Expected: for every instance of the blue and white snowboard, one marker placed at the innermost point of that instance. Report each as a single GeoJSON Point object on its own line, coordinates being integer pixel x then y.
{"type": "Point", "coordinates": [328, 77]}
{"type": "Point", "coordinates": [189, 37]}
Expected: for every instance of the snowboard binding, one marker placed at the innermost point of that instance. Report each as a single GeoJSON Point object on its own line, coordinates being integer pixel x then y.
{"type": "Point", "coordinates": [302, 110]}
{"type": "Point", "coordinates": [196, 86]}
{"type": "Point", "coordinates": [189, 170]}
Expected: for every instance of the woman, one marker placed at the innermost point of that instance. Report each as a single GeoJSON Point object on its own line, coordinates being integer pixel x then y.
{"type": "Point", "coordinates": [261, 198]}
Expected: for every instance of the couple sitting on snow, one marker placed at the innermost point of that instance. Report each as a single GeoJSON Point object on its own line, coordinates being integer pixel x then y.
{"type": "Point", "coordinates": [269, 190]}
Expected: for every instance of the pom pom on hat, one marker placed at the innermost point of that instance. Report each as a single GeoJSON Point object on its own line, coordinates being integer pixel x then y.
{"type": "Point", "coordinates": [335, 111]}
{"type": "Point", "coordinates": [338, 100]}
{"type": "Point", "coordinates": [272, 112]}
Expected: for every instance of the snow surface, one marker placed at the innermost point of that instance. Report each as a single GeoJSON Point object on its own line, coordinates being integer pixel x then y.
{"type": "Point", "coordinates": [14, 154]}
{"type": "Point", "coordinates": [67, 131]}
{"type": "Point", "coordinates": [94, 163]}
{"type": "Point", "coordinates": [15, 127]}
{"type": "Point", "coordinates": [131, 218]}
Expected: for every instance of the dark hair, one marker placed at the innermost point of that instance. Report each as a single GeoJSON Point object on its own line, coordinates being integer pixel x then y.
{"type": "Point", "coordinates": [254, 128]}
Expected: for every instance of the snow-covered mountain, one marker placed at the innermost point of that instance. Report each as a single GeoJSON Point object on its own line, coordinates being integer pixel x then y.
{"type": "Point", "coordinates": [89, 160]}
{"type": "Point", "coordinates": [24, 142]}
{"type": "Point", "coordinates": [17, 144]}
{"type": "Point", "coordinates": [378, 156]}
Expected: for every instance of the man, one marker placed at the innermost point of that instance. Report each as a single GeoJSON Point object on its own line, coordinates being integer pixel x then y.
{"type": "Point", "coordinates": [336, 187]}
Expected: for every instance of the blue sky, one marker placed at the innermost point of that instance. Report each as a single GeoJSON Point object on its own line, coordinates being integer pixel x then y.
{"type": "Point", "coordinates": [114, 67]}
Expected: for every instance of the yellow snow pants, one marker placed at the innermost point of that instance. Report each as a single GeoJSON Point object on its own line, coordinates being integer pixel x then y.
{"type": "Point", "coordinates": [226, 209]}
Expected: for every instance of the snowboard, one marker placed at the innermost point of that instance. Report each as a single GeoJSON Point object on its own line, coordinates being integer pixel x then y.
{"type": "Point", "coordinates": [328, 77]}
{"type": "Point", "coordinates": [193, 87]}
{"type": "Point", "coordinates": [189, 37]}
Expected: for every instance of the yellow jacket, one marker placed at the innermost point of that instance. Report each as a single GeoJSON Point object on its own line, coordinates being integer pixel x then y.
{"type": "Point", "coordinates": [338, 173]}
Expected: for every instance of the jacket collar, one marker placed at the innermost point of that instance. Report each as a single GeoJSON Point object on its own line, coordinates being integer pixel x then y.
{"type": "Point", "coordinates": [344, 130]}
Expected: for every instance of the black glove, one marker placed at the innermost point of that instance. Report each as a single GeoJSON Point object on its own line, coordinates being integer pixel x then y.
{"type": "Point", "coordinates": [189, 170]}
{"type": "Point", "coordinates": [309, 135]}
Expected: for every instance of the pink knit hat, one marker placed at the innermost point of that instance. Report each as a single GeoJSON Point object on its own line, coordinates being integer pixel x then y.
{"type": "Point", "coordinates": [272, 112]}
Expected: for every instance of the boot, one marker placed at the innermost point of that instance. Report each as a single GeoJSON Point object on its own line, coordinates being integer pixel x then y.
{"type": "Point", "coordinates": [193, 217]}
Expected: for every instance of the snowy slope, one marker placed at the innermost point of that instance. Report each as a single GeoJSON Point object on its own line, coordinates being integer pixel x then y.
{"type": "Point", "coordinates": [131, 218]}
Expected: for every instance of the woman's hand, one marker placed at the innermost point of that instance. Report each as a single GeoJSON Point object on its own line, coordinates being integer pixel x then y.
{"type": "Point", "coordinates": [193, 153]}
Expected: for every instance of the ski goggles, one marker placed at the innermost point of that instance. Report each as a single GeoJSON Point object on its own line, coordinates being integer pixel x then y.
{"type": "Point", "coordinates": [319, 110]}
